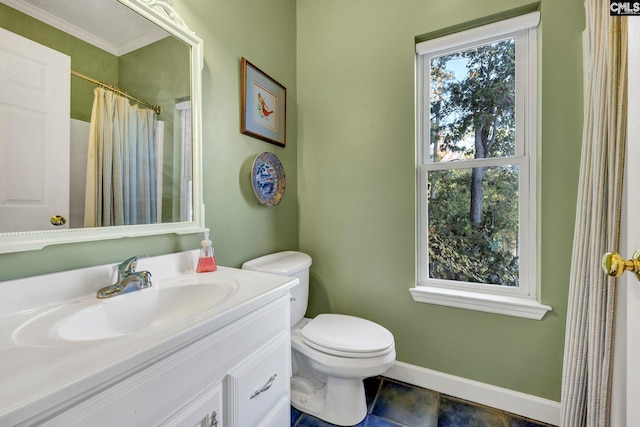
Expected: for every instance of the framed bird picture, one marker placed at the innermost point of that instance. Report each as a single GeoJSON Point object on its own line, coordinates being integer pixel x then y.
{"type": "Point", "coordinates": [264, 107]}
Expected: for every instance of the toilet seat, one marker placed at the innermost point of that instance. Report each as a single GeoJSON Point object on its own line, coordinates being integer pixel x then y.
{"type": "Point", "coordinates": [347, 336]}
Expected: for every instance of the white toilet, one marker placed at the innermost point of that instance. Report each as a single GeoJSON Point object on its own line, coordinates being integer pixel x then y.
{"type": "Point", "coordinates": [332, 353]}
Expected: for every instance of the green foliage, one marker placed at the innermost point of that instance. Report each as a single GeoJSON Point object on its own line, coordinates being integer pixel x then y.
{"type": "Point", "coordinates": [481, 105]}
{"type": "Point", "coordinates": [479, 253]}
{"type": "Point", "coordinates": [473, 212]}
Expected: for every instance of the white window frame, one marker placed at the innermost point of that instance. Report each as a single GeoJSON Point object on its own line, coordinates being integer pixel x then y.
{"type": "Point", "coordinates": [518, 301]}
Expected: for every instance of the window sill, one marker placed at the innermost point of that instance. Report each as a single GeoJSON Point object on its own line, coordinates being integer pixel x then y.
{"type": "Point", "coordinates": [489, 303]}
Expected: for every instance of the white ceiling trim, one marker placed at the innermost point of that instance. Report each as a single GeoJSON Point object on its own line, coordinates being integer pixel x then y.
{"type": "Point", "coordinates": [144, 38]}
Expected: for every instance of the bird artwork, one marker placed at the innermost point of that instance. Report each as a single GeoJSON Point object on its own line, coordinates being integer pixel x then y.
{"type": "Point", "coordinates": [263, 108]}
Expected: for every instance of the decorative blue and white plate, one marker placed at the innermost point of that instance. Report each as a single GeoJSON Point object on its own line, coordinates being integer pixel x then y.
{"type": "Point", "coordinates": [268, 179]}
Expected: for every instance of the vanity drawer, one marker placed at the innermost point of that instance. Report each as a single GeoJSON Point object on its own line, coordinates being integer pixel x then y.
{"type": "Point", "coordinates": [255, 386]}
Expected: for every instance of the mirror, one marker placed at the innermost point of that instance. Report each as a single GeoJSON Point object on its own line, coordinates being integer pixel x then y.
{"type": "Point", "coordinates": [58, 184]}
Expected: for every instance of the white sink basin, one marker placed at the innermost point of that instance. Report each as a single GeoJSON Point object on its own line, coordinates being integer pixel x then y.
{"type": "Point", "coordinates": [143, 309]}
{"type": "Point", "coordinates": [90, 319]}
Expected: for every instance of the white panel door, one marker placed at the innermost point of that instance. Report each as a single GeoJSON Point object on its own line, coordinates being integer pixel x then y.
{"type": "Point", "coordinates": [631, 240]}
{"type": "Point", "coordinates": [34, 134]}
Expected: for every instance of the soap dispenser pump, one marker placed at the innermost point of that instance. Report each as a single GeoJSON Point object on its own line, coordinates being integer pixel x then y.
{"type": "Point", "coordinates": [207, 261]}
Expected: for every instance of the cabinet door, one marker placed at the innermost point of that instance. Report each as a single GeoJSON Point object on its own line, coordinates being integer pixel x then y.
{"type": "Point", "coordinates": [257, 384]}
{"type": "Point", "coordinates": [203, 411]}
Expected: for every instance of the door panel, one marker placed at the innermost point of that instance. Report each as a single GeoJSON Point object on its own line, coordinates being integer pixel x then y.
{"type": "Point", "coordinates": [625, 410]}
{"type": "Point", "coordinates": [34, 134]}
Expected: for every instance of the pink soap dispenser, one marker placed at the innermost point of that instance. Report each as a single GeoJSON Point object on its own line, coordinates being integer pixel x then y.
{"type": "Point", "coordinates": [207, 261]}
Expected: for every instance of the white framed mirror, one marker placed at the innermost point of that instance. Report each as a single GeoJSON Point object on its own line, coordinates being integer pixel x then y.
{"type": "Point", "coordinates": [67, 66]}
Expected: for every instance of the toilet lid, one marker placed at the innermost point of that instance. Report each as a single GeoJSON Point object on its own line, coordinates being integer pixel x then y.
{"type": "Point", "coordinates": [347, 336]}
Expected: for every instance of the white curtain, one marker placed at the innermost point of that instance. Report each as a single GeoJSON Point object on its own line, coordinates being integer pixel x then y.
{"type": "Point", "coordinates": [588, 354]}
{"type": "Point", "coordinates": [121, 164]}
{"type": "Point", "coordinates": [159, 146]}
{"type": "Point", "coordinates": [186, 167]}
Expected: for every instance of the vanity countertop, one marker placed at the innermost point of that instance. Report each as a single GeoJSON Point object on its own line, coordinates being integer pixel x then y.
{"type": "Point", "coordinates": [39, 371]}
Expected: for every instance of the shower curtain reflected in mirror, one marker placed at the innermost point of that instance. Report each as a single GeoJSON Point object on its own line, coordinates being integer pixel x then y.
{"type": "Point", "coordinates": [186, 166]}
{"type": "Point", "coordinates": [121, 163]}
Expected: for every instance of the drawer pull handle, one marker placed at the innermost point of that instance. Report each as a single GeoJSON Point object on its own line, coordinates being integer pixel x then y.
{"type": "Point", "coordinates": [265, 387]}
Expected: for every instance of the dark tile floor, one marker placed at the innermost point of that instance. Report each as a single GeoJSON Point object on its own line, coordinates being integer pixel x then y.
{"type": "Point", "coordinates": [394, 404]}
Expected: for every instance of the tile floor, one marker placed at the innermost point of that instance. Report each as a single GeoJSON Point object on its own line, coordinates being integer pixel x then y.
{"type": "Point", "coordinates": [395, 404]}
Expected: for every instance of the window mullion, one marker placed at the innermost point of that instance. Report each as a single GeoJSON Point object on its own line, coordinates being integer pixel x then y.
{"type": "Point", "coordinates": [476, 163]}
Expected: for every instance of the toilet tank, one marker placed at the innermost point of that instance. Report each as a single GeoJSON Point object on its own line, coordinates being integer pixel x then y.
{"type": "Point", "coordinates": [288, 263]}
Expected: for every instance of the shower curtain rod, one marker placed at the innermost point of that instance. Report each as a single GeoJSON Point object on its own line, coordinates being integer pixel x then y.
{"type": "Point", "coordinates": [155, 108]}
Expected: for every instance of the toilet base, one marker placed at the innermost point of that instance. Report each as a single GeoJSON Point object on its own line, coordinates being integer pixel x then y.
{"type": "Point", "coordinates": [339, 401]}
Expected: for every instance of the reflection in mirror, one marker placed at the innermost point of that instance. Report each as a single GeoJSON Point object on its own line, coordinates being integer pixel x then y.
{"type": "Point", "coordinates": [101, 115]}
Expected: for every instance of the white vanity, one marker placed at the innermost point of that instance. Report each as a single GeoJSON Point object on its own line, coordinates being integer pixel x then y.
{"type": "Point", "coordinates": [210, 349]}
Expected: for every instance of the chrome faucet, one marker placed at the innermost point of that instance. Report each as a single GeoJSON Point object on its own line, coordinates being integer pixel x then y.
{"type": "Point", "coordinates": [128, 279]}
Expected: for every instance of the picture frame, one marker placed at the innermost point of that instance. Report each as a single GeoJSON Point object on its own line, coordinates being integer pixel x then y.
{"type": "Point", "coordinates": [264, 106]}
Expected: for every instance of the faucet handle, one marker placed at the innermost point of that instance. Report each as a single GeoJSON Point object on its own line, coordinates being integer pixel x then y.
{"type": "Point", "coordinates": [128, 266]}
{"type": "Point", "coordinates": [145, 279]}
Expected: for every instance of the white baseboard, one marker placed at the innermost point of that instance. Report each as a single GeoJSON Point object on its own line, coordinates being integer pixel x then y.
{"type": "Point", "coordinates": [526, 405]}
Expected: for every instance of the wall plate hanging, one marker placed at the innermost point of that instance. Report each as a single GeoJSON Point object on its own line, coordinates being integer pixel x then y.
{"type": "Point", "coordinates": [268, 179]}
{"type": "Point", "coordinates": [263, 106]}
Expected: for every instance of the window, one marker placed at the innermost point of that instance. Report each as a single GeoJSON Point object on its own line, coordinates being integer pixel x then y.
{"type": "Point", "coordinates": [476, 169]}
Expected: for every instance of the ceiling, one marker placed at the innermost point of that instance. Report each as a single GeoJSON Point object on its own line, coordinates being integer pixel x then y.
{"type": "Point", "coordinates": [106, 24]}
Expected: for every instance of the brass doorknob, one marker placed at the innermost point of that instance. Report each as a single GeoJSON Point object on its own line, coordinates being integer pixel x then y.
{"type": "Point", "coordinates": [614, 265]}
{"type": "Point", "coordinates": [58, 220]}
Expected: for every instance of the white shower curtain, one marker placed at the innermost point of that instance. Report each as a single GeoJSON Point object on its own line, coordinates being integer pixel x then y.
{"type": "Point", "coordinates": [121, 164]}
{"type": "Point", "coordinates": [186, 167]}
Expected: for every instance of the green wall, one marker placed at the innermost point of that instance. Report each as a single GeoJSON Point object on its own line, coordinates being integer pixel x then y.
{"type": "Point", "coordinates": [356, 137]}
{"type": "Point", "coordinates": [264, 33]}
